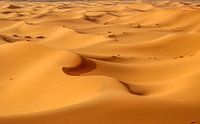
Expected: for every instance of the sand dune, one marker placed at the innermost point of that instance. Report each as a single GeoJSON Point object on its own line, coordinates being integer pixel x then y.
{"type": "Point", "coordinates": [100, 62]}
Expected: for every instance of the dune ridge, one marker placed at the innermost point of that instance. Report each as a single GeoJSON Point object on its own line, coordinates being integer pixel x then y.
{"type": "Point", "coordinates": [99, 62]}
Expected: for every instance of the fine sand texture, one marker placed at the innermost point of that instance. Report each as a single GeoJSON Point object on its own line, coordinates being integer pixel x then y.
{"type": "Point", "coordinates": [100, 62]}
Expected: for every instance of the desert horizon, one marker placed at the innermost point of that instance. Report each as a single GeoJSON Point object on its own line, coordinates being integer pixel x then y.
{"type": "Point", "coordinates": [100, 62]}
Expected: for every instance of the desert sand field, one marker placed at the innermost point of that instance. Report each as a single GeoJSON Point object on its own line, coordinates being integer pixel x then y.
{"type": "Point", "coordinates": [99, 62]}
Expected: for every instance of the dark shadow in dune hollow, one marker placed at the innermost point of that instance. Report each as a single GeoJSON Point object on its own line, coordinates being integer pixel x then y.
{"type": "Point", "coordinates": [133, 89]}
{"type": "Point", "coordinates": [86, 66]}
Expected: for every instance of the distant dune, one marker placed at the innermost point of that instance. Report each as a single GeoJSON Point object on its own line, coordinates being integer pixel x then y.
{"type": "Point", "coordinates": [100, 62]}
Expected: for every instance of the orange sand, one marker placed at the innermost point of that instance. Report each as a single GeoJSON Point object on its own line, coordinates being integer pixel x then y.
{"type": "Point", "coordinates": [99, 63]}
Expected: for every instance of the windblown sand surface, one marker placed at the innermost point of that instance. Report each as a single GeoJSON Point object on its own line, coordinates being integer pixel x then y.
{"type": "Point", "coordinates": [99, 63]}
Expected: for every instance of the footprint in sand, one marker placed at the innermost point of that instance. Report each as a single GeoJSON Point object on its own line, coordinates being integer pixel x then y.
{"type": "Point", "coordinates": [40, 37]}
{"type": "Point", "coordinates": [138, 26]}
{"type": "Point", "coordinates": [90, 18]}
{"type": "Point", "coordinates": [12, 78]}
{"type": "Point", "coordinates": [157, 25]}
{"type": "Point", "coordinates": [14, 35]}
{"type": "Point", "coordinates": [155, 58]}
{"type": "Point", "coordinates": [13, 7]}
{"type": "Point", "coordinates": [20, 15]}
{"type": "Point", "coordinates": [179, 57]}
{"type": "Point", "coordinates": [116, 39]}
{"type": "Point", "coordinates": [114, 56]}
{"type": "Point", "coordinates": [105, 23]}
{"type": "Point", "coordinates": [191, 55]}
{"type": "Point", "coordinates": [124, 33]}
{"type": "Point", "coordinates": [29, 23]}
{"type": "Point", "coordinates": [6, 12]}
{"type": "Point", "coordinates": [29, 37]}
{"type": "Point", "coordinates": [111, 36]}
{"type": "Point", "coordinates": [194, 122]}
{"type": "Point", "coordinates": [135, 26]}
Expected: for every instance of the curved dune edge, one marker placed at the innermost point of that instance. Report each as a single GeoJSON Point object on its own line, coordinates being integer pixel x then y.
{"type": "Point", "coordinates": [47, 90]}
{"type": "Point", "coordinates": [99, 62]}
